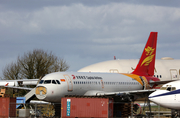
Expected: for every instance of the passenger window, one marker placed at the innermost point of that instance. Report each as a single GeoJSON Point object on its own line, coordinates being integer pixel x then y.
{"type": "Point", "coordinates": [47, 81]}
{"type": "Point", "coordinates": [57, 81]}
{"type": "Point", "coordinates": [41, 81]}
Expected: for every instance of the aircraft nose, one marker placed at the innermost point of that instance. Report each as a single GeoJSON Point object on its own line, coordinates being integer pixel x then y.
{"type": "Point", "coordinates": [152, 97]}
{"type": "Point", "coordinates": [156, 96]}
{"type": "Point", "coordinates": [41, 92]}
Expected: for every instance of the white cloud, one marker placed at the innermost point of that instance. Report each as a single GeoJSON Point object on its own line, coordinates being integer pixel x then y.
{"type": "Point", "coordinates": [114, 16]}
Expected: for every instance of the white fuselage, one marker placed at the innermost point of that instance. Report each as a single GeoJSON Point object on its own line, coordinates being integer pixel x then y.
{"type": "Point", "coordinates": [77, 83]}
{"type": "Point", "coordinates": [168, 96]}
{"type": "Point", "coordinates": [164, 69]}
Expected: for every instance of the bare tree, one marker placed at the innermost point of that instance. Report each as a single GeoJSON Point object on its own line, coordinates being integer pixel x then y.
{"type": "Point", "coordinates": [11, 71]}
{"type": "Point", "coordinates": [34, 64]}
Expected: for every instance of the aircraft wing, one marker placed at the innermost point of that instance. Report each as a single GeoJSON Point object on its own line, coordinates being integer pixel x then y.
{"type": "Point", "coordinates": [22, 88]}
{"type": "Point", "coordinates": [160, 82]}
{"type": "Point", "coordinates": [135, 94]}
{"type": "Point", "coordinates": [13, 83]}
{"type": "Point", "coordinates": [126, 92]}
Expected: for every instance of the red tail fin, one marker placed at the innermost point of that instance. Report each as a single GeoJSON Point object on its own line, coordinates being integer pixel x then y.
{"type": "Point", "coordinates": [147, 61]}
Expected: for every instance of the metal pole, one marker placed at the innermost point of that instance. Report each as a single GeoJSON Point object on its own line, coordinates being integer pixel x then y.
{"type": "Point", "coordinates": [131, 109]}
{"type": "Point", "coordinates": [158, 111]}
{"type": "Point", "coordinates": [35, 110]}
{"type": "Point", "coordinates": [149, 108]}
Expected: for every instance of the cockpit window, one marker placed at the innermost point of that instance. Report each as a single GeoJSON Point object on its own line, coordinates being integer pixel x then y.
{"type": "Point", "coordinates": [163, 88]}
{"type": "Point", "coordinates": [169, 88]}
{"type": "Point", "coordinates": [41, 81]}
{"type": "Point", "coordinates": [173, 88]}
{"type": "Point", "coordinates": [58, 81]}
{"type": "Point", "coordinates": [53, 82]}
{"type": "Point", "coordinates": [47, 81]}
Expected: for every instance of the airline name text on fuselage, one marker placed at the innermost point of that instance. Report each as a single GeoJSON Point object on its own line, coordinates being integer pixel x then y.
{"type": "Point", "coordinates": [88, 77]}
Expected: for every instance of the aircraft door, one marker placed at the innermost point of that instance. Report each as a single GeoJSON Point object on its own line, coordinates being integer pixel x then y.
{"type": "Point", "coordinates": [174, 74]}
{"type": "Point", "coordinates": [102, 83]}
{"type": "Point", "coordinates": [69, 83]}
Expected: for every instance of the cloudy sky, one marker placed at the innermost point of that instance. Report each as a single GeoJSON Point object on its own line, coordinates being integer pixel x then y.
{"type": "Point", "coordinates": [86, 32]}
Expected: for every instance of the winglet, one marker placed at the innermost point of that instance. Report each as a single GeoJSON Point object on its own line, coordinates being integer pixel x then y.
{"type": "Point", "coordinates": [147, 61]}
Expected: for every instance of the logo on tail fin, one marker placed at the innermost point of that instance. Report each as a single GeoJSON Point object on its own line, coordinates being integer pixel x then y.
{"type": "Point", "coordinates": [149, 51]}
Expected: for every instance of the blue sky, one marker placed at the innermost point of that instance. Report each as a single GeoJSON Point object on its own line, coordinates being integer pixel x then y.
{"type": "Point", "coordinates": [87, 32]}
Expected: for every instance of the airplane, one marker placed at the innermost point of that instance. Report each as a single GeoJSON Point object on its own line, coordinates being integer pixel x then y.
{"type": "Point", "coordinates": [166, 68]}
{"type": "Point", "coordinates": [168, 96]}
{"type": "Point", "coordinates": [53, 86]}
